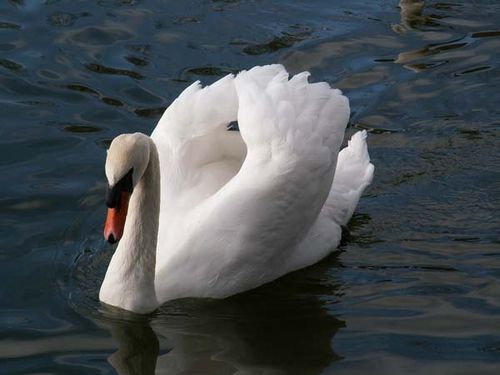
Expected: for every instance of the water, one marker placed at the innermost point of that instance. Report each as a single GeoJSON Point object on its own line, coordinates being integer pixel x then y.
{"type": "Point", "coordinates": [415, 288]}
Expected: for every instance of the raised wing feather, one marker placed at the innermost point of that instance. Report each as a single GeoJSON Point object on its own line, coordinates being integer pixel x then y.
{"type": "Point", "coordinates": [197, 153]}
{"type": "Point", "coordinates": [294, 129]}
{"type": "Point", "coordinates": [198, 111]}
{"type": "Point", "coordinates": [306, 120]}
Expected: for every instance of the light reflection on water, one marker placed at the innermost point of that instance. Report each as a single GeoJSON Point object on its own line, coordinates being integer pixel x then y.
{"type": "Point", "coordinates": [415, 288]}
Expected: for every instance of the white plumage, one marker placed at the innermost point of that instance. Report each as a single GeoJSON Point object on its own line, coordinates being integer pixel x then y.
{"type": "Point", "coordinates": [239, 209]}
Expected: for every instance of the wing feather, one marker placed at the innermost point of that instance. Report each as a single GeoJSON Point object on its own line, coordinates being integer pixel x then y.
{"type": "Point", "coordinates": [197, 153]}
{"type": "Point", "coordinates": [293, 131]}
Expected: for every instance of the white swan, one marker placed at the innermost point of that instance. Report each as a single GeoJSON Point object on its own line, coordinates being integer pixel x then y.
{"type": "Point", "coordinates": [237, 209]}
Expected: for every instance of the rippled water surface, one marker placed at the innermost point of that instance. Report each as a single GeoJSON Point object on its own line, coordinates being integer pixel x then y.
{"type": "Point", "coordinates": [414, 288]}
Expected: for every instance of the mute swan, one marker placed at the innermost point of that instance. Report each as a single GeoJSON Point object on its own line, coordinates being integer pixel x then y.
{"type": "Point", "coordinates": [237, 209]}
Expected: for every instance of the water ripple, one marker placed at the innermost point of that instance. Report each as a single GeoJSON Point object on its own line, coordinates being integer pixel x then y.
{"type": "Point", "coordinates": [414, 287]}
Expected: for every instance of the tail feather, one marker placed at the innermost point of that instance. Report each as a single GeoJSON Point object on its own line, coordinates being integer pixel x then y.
{"type": "Point", "coordinates": [353, 174]}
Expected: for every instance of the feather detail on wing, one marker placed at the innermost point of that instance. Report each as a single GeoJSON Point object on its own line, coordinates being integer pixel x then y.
{"type": "Point", "coordinates": [197, 153]}
{"type": "Point", "coordinates": [300, 118]}
{"type": "Point", "coordinates": [198, 111]}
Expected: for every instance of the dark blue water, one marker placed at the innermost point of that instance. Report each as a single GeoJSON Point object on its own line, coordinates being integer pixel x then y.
{"type": "Point", "coordinates": [415, 288]}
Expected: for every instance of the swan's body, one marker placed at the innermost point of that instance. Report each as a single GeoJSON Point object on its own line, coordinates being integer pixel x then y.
{"type": "Point", "coordinates": [238, 209]}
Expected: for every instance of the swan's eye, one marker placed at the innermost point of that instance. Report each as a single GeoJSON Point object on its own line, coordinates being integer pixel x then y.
{"type": "Point", "coordinates": [113, 194]}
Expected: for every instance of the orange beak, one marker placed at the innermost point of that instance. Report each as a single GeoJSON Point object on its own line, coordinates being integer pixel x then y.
{"type": "Point", "coordinates": [115, 221]}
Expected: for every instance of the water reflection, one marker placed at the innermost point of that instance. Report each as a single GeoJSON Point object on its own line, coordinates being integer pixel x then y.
{"type": "Point", "coordinates": [138, 347]}
{"type": "Point", "coordinates": [266, 331]}
{"type": "Point", "coordinates": [412, 17]}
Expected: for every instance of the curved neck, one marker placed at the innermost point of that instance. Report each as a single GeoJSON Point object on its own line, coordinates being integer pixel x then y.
{"type": "Point", "coordinates": [129, 280]}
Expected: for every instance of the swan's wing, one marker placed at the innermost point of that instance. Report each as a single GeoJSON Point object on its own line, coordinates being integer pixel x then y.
{"type": "Point", "coordinates": [306, 119]}
{"type": "Point", "coordinates": [198, 111]}
{"type": "Point", "coordinates": [293, 130]}
{"type": "Point", "coordinates": [197, 153]}
{"type": "Point", "coordinates": [240, 235]}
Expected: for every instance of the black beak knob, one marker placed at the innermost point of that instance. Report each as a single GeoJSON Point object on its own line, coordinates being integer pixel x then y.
{"type": "Point", "coordinates": [111, 239]}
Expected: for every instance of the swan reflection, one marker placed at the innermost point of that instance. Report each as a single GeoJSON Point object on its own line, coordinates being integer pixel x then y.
{"type": "Point", "coordinates": [268, 330]}
{"type": "Point", "coordinates": [138, 348]}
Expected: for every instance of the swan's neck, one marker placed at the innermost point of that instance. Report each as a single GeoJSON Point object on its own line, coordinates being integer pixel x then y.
{"type": "Point", "coordinates": [129, 280]}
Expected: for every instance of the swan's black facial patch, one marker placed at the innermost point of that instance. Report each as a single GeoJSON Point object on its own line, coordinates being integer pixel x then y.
{"type": "Point", "coordinates": [113, 193]}
{"type": "Point", "coordinates": [111, 239]}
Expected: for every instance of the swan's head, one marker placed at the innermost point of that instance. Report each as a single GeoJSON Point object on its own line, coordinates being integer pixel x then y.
{"type": "Point", "coordinates": [127, 160]}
